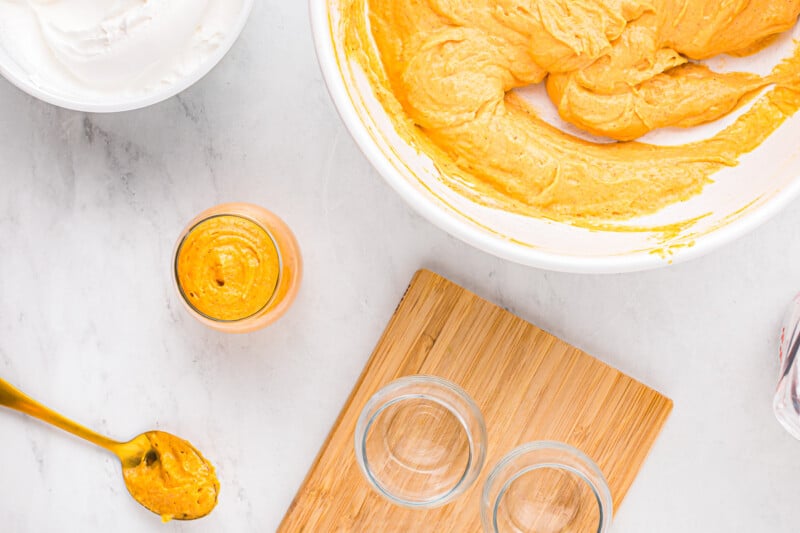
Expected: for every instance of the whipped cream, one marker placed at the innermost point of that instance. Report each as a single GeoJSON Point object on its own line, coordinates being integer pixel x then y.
{"type": "Point", "coordinates": [107, 49]}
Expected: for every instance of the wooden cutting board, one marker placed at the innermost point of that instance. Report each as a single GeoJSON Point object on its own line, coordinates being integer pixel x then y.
{"type": "Point", "coordinates": [528, 384]}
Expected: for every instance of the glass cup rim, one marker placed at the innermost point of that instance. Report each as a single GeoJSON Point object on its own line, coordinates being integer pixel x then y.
{"type": "Point", "coordinates": [588, 471]}
{"type": "Point", "coordinates": [476, 437]}
{"type": "Point", "coordinates": [188, 231]}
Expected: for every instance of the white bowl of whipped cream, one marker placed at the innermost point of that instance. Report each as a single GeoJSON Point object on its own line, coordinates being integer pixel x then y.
{"type": "Point", "coordinates": [108, 56]}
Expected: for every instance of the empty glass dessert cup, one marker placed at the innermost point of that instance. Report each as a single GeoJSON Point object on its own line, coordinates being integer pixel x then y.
{"type": "Point", "coordinates": [420, 441]}
{"type": "Point", "coordinates": [546, 487]}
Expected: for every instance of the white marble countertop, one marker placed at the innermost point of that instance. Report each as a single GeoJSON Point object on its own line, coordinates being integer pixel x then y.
{"type": "Point", "coordinates": [90, 207]}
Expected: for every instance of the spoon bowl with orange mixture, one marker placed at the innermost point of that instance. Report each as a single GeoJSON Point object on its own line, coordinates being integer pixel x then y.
{"type": "Point", "coordinates": [164, 473]}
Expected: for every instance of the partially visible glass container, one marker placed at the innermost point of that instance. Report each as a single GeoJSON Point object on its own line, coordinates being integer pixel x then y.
{"type": "Point", "coordinates": [546, 487]}
{"type": "Point", "coordinates": [420, 441]}
{"type": "Point", "coordinates": [230, 245]}
{"type": "Point", "coordinates": [786, 403]}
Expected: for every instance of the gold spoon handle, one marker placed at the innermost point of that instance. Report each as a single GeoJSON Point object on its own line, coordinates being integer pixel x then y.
{"type": "Point", "coordinates": [14, 399]}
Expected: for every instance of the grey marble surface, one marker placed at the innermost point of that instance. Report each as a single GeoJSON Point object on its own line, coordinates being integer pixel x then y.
{"type": "Point", "coordinates": [90, 207]}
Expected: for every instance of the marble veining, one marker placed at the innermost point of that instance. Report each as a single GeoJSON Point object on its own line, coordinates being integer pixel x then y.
{"type": "Point", "coordinates": [91, 205]}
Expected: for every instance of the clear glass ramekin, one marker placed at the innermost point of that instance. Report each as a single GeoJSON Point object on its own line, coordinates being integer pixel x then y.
{"type": "Point", "coordinates": [546, 487]}
{"type": "Point", "coordinates": [420, 441]}
{"type": "Point", "coordinates": [289, 259]}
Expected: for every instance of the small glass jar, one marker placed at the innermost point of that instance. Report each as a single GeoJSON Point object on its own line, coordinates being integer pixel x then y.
{"type": "Point", "coordinates": [283, 251]}
{"type": "Point", "coordinates": [785, 402]}
{"type": "Point", "coordinates": [420, 441]}
{"type": "Point", "coordinates": [547, 487]}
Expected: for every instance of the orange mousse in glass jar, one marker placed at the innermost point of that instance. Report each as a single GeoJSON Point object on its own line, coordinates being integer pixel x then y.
{"type": "Point", "coordinates": [237, 267]}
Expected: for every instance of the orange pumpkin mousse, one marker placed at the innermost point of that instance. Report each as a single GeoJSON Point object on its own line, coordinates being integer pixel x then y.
{"type": "Point", "coordinates": [175, 482]}
{"type": "Point", "coordinates": [228, 267]}
{"type": "Point", "coordinates": [446, 72]}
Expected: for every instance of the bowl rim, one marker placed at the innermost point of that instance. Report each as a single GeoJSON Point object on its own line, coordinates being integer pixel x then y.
{"type": "Point", "coordinates": [494, 244]}
{"type": "Point", "coordinates": [138, 101]}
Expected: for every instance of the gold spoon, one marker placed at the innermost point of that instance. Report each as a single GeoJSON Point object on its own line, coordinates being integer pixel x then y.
{"type": "Point", "coordinates": [164, 473]}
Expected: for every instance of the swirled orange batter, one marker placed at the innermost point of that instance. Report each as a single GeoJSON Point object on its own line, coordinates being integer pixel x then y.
{"type": "Point", "coordinates": [174, 481]}
{"type": "Point", "coordinates": [228, 267]}
{"type": "Point", "coordinates": [445, 71]}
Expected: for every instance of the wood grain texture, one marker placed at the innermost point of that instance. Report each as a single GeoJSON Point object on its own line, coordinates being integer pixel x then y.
{"type": "Point", "coordinates": [528, 384]}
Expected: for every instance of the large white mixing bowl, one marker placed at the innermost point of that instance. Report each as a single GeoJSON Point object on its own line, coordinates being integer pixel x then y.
{"type": "Point", "coordinates": [10, 70]}
{"type": "Point", "coordinates": [740, 199]}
